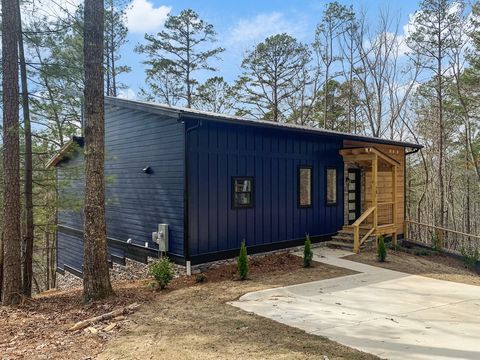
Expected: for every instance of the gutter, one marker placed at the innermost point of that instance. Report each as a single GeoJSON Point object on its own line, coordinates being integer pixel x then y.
{"type": "Point", "coordinates": [414, 151]}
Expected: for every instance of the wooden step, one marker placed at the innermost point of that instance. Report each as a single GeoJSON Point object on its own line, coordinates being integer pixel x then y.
{"type": "Point", "coordinates": [339, 245]}
{"type": "Point", "coordinates": [343, 238]}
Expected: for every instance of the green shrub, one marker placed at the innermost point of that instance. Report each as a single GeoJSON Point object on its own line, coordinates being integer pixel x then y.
{"type": "Point", "coordinates": [381, 249]}
{"type": "Point", "coordinates": [162, 271]}
{"type": "Point", "coordinates": [307, 252]}
{"type": "Point", "coordinates": [470, 256]}
{"type": "Point", "coordinates": [436, 243]}
{"type": "Point", "coordinates": [421, 252]}
{"type": "Point", "coordinates": [200, 278]}
{"type": "Point", "coordinates": [242, 262]}
{"type": "Point", "coordinates": [395, 247]}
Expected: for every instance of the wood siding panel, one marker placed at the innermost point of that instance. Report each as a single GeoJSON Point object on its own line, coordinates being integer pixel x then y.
{"type": "Point", "coordinates": [219, 151]}
{"type": "Point", "coordinates": [135, 201]}
{"type": "Point", "coordinates": [385, 181]}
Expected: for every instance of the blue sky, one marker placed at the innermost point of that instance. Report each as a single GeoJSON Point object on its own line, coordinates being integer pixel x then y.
{"type": "Point", "coordinates": [240, 24]}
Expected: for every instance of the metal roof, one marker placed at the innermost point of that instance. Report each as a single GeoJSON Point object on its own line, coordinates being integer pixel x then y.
{"type": "Point", "coordinates": [182, 112]}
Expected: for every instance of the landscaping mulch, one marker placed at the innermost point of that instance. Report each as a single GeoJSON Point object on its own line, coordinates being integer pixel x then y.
{"type": "Point", "coordinates": [187, 320]}
{"type": "Point", "coordinates": [197, 322]}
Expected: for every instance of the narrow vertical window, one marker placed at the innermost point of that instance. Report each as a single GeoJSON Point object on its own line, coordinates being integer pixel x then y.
{"type": "Point", "coordinates": [331, 186]}
{"type": "Point", "coordinates": [242, 192]}
{"type": "Point", "coordinates": [305, 186]}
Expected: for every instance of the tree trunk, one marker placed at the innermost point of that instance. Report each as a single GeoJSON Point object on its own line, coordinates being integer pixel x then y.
{"type": "Point", "coordinates": [112, 59]}
{"type": "Point", "coordinates": [12, 280]}
{"type": "Point", "coordinates": [28, 181]}
{"type": "Point", "coordinates": [96, 277]}
{"type": "Point", "coordinates": [441, 136]}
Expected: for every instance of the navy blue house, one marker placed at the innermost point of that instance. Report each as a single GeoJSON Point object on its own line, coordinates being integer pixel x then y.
{"type": "Point", "coordinates": [216, 180]}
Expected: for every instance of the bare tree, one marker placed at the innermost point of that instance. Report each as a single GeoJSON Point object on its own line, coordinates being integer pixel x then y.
{"type": "Point", "coordinates": [384, 91]}
{"type": "Point", "coordinates": [431, 43]}
{"type": "Point", "coordinates": [96, 277]}
{"type": "Point", "coordinates": [327, 34]}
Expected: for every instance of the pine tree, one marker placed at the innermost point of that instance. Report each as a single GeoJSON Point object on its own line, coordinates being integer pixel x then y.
{"type": "Point", "coordinates": [270, 74]}
{"type": "Point", "coordinates": [177, 53]}
{"type": "Point", "coordinates": [28, 233]}
{"type": "Point", "coordinates": [12, 280]}
{"type": "Point", "coordinates": [96, 278]}
{"type": "Point", "coordinates": [215, 95]}
{"type": "Point", "coordinates": [115, 36]}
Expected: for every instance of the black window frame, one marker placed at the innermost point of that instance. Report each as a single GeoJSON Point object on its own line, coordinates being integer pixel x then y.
{"type": "Point", "coordinates": [252, 192]}
{"type": "Point", "coordinates": [326, 186]}
{"type": "Point", "coordinates": [299, 168]}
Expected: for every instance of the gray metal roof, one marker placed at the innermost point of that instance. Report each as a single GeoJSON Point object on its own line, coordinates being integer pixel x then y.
{"type": "Point", "coordinates": [182, 112]}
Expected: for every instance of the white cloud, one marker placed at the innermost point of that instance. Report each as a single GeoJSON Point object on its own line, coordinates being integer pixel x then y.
{"type": "Point", "coordinates": [256, 29]}
{"type": "Point", "coordinates": [143, 17]}
{"type": "Point", "coordinates": [127, 94]}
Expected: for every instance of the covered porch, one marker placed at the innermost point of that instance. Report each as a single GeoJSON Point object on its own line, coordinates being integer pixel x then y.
{"type": "Point", "coordinates": [371, 193]}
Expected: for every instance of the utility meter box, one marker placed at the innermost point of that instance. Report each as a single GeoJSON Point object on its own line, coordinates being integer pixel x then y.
{"type": "Point", "coordinates": [161, 237]}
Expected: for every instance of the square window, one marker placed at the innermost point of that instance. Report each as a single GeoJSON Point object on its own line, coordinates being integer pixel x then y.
{"type": "Point", "coordinates": [242, 192]}
{"type": "Point", "coordinates": [331, 179]}
{"type": "Point", "coordinates": [305, 186]}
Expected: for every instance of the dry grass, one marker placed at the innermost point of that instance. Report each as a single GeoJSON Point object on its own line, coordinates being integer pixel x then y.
{"type": "Point", "coordinates": [434, 265]}
{"type": "Point", "coordinates": [187, 321]}
{"type": "Point", "coordinates": [197, 323]}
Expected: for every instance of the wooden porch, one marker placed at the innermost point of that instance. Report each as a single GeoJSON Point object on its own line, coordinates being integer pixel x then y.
{"type": "Point", "coordinates": [380, 204]}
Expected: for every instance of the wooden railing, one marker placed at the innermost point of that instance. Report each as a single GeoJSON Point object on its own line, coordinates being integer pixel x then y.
{"type": "Point", "coordinates": [357, 242]}
{"type": "Point", "coordinates": [440, 238]}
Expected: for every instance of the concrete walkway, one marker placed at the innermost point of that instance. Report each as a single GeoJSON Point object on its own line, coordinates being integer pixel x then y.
{"type": "Point", "coordinates": [387, 313]}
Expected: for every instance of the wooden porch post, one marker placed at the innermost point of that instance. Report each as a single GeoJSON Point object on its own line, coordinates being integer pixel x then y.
{"type": "Point", "coordinates": [394, 204]}
{"type": "Point", "coordinates": [374, 190]}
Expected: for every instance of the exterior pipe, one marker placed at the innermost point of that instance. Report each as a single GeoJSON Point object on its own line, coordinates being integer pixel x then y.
{"type": "Point", "coordinates": [186, 248]}
{"type": "Point", "coordinates": [414, 151]}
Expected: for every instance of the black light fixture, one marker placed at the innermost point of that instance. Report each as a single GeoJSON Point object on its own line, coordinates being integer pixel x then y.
{"type": "Point", "coordinates": [148, 170]}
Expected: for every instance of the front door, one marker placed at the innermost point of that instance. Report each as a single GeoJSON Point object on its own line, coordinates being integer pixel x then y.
{"type": "Point", "coordinates": [354, 194]}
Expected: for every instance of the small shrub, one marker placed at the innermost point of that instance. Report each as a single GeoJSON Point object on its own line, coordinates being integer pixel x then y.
{"type": "Point", "coordinates": [421, 252]}
{"type": "Point", "coordinates": [242, 262]}
{"type": "Point", "coordinates": [307, 252]}
{"type": "Point", "coordinates": [470, 256]}
{"type": "Point", "coordinates": [200, 278]}
{"type": "Point", "coordinates": [381, 249]}
{"type": "Point", "coordinates": [436, 243]}
{"type": "Point", "coordinates": [395, 247]}
{"type": "Point", "coordinates": [162, 271]}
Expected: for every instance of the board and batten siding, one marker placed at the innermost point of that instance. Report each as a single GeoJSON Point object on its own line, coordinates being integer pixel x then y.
{"type": "Point", "coordinates": [218, 151]}
{"type": "Point", "coordinates": [136, 202]}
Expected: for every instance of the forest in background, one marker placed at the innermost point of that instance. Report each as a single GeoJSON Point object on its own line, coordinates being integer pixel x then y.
{"type": "Point", "coordinates": [422, 86]}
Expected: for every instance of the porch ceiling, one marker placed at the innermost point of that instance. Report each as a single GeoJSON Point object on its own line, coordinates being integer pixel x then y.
{"type": "Point", "coordinates": [366, 155]}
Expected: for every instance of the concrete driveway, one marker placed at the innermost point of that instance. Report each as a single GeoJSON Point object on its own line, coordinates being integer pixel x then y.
{"type": "Point", "coordinates": [387, 313]}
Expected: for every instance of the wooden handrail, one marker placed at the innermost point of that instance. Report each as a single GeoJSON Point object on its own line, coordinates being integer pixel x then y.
{"type": "Point", "coordinates": [356, 229]}
{"type": "Point", "coordinates": [364, 216]}
{"type": "Point", "coordinates": [442, 229]}
{"type": "Point", "coordinates": [365, 237]}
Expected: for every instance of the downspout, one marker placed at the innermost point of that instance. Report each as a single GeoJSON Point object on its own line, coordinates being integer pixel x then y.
{"type": "Point", "coordinates": [186, 248]}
